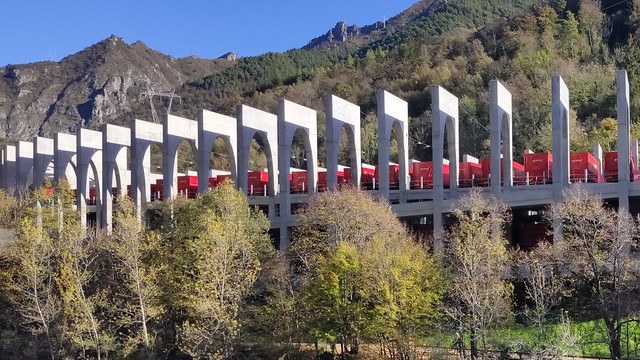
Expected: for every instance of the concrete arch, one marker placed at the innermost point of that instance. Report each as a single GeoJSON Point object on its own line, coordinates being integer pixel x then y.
{"type": "Point", "coordinates": [501, 137]}
{"type": "Point", "coordinates": [42, 158]}
{"type": "Point", "coordinates": [252, 121]}
{"type": "Point", "coordinates": [175, 130]}
{"type": "Point", "coordinates": [89, 158]}
{"type": "Point", "coordinates": [341, 113]}
{"type": "Point", "coordinates": [143, 134]}
{"type": "Point", "coordinates": [444, 113]}
{"type": "Point", "coordinates": [24, 164]}
{"type": "Point", "coordinates": [115, 141]}
{"type": "Point", "coordinates": [210, 126]}
{"type": "Point", "coordinates": [291, 117]}
{"type": "Point", "coordinates": [560, 134]}
{"type": "Point", "coordinates": [9, 180]}
{"type": "Point", "coordinates": [65, 148]}
{"type": "Point", "coordinates": [392, 111]}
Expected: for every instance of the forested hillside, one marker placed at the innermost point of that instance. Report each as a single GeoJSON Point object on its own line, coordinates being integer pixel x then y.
{"type": "Point", "coordinates": [462, 45]}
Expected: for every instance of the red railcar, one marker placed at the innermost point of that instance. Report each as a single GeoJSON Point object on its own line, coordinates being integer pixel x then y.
{"type": "Point", "coordinates": [394, 175]}
{"type": "Point", "coordinates": [422, 177]}
{"type": "Point", "coordinates": [584, 167]}
{"type": "Point", "coordinates": [188, 185]}
{"type": "Point", "coordinates": [519, 174]}
{"type": "Point", "coordinates": [611, 167]}
{"type": "Point", "coordinates": [470, 174]}
{"type": "Point", "coordinates": [299, 181]}
{"type": "Point", "coordinates": [257, 182]}
{"type": "Point", "coordinates": [539, 166]}
{"type": "Point", "coordinates": [159, 189]}
{"type": "Point", "coordinates": [213, 181]}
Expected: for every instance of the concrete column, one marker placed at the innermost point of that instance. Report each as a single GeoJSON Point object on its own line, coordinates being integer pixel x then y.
{"type": "Point", "coordinates": [560, 135]}
{"type": "Point", "coordinates": [64, 151]}
{"type": "Point", "coordinates": [392, 112]}
{"type": "Point", "coordinates": [24, 164]}
{"type": "Point", "coordinates": [210, 126]}
{"type": "Point", "coordinates": [42, 157]}
{"type": "Point", "coordinates": [444, 113]}
{"type": "Point", "coordinates": [634, 152]}
{"type": "Point", "coordinates": [89, 143]}
{"type": "Point", "coordinates": [9, 168]}
{"type": "Point", "coordinates": [143, 134]}
{"type": "Point", "coordinates": [115, 141]}
{"type": "Point", "coordinates": [292, 117]}
{"type": "Point", "coordinates": [252, 121]}
{"type": "Point", "coordinates": [597, 153]}
{"type": "Point", "coordinates": [175, 129]}
{"type": "Point", "coordinates": [624, 137]}
{"type": "Point", "coordinates": [501, 139]}
{"type": "Point", "coordinates": [342, 113]}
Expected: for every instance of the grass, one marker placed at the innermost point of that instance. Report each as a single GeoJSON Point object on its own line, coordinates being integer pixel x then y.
{"type": "Point", "coordinates": [589, 339]}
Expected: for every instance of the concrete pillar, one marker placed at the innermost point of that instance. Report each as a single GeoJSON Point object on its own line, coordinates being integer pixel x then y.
{"type": "Point", "coordinates": [9, 168]}
{"type": "Point", "coordinates": [501, 139]}
{"type": "Point", "coordinates": [634, 152]}
{"type": "Point", "coordinates": [252, 121]}
{"type": "Point", "coordinates": [42, 158]}
{"type": "Point", "coordinates": [175, 129]}
{"type": "Point", "coordinates": [143, 134]}
{"type": "Point", "coordinates": [560, 135]}
{"type": "Point", "coordinates": [64, 151]}
{"type": "Point", "coordinates": [89, 144]}
{"type": "Point", "coordinates": [597, 153]}
{"type": "Point", "coordinates": [342, 113]}
{"type": "Point", "coordinates": [392, 112]}
{"type": "Point", "coordinates": [115, 141]}
{"type": "Point", "coordinates": [292, 117]}
{"type": "Point", "coordinates": [24, 164]}
{"type": "Point", "coordinates": [210, 126]}
{"type": "Point", "coordinates": [444, 113]}
{"type": "Point", "coordinates": [624, 137]}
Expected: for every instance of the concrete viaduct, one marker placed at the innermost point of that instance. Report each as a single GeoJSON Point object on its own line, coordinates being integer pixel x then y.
{"type": "Point", "coordinates": [102, 155]}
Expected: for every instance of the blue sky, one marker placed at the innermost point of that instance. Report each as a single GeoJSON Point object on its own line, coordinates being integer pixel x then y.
{"type": "Point", "coordinates": [39, 30]}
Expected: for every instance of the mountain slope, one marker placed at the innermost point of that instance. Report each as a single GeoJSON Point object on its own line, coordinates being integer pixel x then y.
{"type": "Point", "coordinates": [102, 83]}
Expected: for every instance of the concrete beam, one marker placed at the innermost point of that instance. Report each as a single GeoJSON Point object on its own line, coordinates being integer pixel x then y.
{"type": "Point", "coordinates": [341, 113]}
{"type": "Point", "coordinates": [501, 140]}
{"type": "Point", "coordinates": [210, 126]}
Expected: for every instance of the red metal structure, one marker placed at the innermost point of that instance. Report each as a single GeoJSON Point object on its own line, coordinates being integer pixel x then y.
{"type": "Point", "coordinates": [519, 174]}
{"type": "Point", "coordinates": [611, 167]}
{"type": "Point", "coordinates": [539, 167]}
{"type": "Point", "coordinates": [422, 177]}
{"type": "Point", "coordinates": [470, 174]}
{"type": "Point", "coordinates": [585, 167]}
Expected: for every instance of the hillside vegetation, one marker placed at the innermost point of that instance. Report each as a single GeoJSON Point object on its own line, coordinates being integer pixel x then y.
{"type": "Point", "coordinates": [462, 45]}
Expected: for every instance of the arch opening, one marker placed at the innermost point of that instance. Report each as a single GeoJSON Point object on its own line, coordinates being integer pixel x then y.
{"type": "Point", "coordinates": [187, 169]}
{"type": "Point", "coordinates": [298, 164]}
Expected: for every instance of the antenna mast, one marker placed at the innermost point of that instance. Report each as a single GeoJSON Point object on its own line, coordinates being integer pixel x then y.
{"type": "Point", "coordinates": [150, 94]}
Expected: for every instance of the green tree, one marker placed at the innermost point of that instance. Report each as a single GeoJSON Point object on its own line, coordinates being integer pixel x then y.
{"type": "Point", "coordinates": [477, 261]}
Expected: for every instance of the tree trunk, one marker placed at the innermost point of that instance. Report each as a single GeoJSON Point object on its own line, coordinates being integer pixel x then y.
{"type": "Point", "coordinates": [474, 343]}
{"type": "Point", "coordinates": [613, 331]}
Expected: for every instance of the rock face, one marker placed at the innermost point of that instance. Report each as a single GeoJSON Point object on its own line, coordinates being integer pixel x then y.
{"type": "Point", "coordinates": [100, 84]}
{"type": "Point", "coordinates": [231, 56]}
{"type": "Point", "coordinates": [361, 35]}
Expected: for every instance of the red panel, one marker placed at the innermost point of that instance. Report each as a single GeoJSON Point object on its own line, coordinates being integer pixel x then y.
{"type": "Point", "coordinates": [423, 175]}
{"type": "Point", "coordinates": [519, 175]}
{"type": "Point", "coordinates": [299, 181]}
{"type": "Point", "coordinates": [584, 161]}
{"type": "Point", "coordinates": [470, 174]}
{"type": "Point", "coordinates": [539, 166]}
{"type": "Point", "coordinates": [394, 171]}
{"type": "Point", "coordinates": [213, 181]}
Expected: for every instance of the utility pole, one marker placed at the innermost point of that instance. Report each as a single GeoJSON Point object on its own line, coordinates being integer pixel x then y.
{"type": "Point", "coordinates": [150, 94]}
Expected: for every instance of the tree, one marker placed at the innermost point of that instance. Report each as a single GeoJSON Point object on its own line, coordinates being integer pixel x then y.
{"type": "Point", "coordinates": [363, 276]}
{"type": "Point", "coordinates": [214, 263]}
{"type": "Point", "coordinates": [591, 23]}
{"type": "Point", "coordinates": [32, 282]}
{"type": "Point", "coordinates": [135, 262]}
{"type": "Point", "coordinates": [594, 251]}
{"type": "Point", "coordinates": [477, 261]}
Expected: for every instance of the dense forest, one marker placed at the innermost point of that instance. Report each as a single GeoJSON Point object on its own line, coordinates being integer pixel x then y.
{"type": "Point", "coordinates": [461, 45]}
